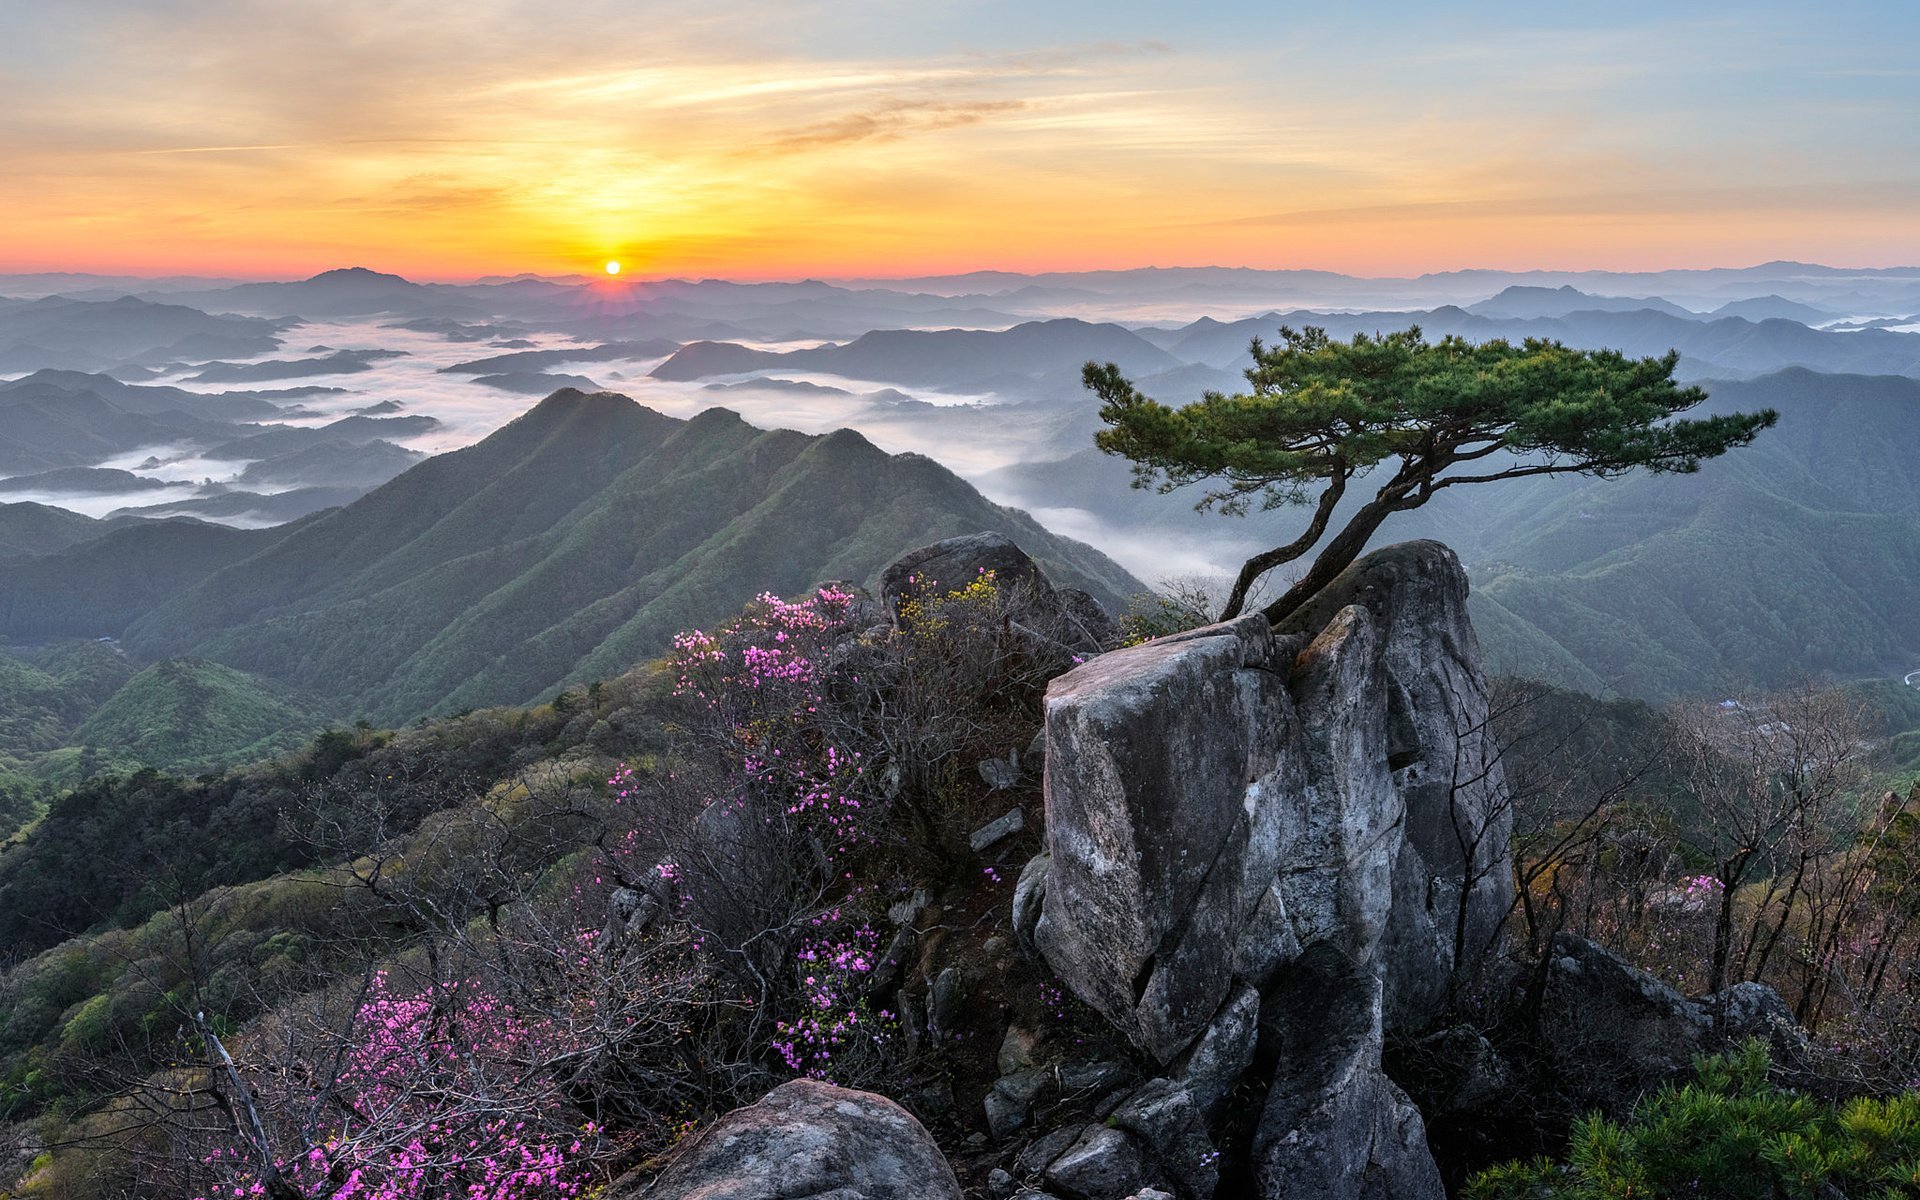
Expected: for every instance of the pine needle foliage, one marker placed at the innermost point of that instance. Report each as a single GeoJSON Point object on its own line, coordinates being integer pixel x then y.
{"type": "Point", "coordinates": [1321, 413]}
{"type": "Point", "coordinates": [1729, 1135]}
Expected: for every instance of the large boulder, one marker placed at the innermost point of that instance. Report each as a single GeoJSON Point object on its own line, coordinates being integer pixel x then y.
{"type": "Point", "coordinates": [1159, 862]}
{"type": "Point", "coordinates": [1218, 800]}
{"type": "Point", "coordinates": [805, 1140]}
{"type": "Point", "coordinates": [1611, 1031]}
{"type": "Point", "coordinates": [1602, 1017]}
{"type": "Point", "coordinates": [956, 562]}
{"type": "Point", "coordinates": [1239, 814]}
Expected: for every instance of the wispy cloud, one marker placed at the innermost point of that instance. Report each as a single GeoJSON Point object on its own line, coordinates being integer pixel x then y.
{"type": "Point", "coordinates": [891, 121]}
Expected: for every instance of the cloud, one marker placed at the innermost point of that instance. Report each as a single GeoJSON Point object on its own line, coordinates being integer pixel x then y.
{"type": "Point", "coordinates": [892, 120]}
{"type": "Point", "coordinates": [747, 136]}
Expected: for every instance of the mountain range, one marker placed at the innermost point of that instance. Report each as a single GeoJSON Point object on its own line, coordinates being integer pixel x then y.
{"type": "Point", "coordinates": [573, 542]}
{"type": "Point", "coordinates": [584, 534]}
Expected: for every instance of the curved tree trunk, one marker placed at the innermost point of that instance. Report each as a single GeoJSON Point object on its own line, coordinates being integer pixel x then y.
{"type": "Point", "coordinates": [1260, 564]}
{"type": "Point", "coordinates": [1337, 557]}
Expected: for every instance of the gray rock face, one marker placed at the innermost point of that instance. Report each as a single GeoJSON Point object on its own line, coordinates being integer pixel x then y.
{"type": "Point", "coordinates": [1224, 1051]}
{"type": "Point", "coordinates": [1220, 799]}
{"type": "Point", "coordinates": [1451, 884]}
{"type": "Point", "coordinates": [1334, 1126]}
{"type": "Point", "coordinates": [808, 1139]}
{"type": "Point", "coordinates": [1309, 824]}
{"type": "Point", "coordinates": [1158, 859]}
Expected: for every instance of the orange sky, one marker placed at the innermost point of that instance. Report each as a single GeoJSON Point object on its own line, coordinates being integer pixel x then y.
{"type": "Point", "coordinates": [879, 137]}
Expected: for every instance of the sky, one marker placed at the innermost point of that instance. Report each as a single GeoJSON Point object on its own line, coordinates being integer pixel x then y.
{"type": "Point", "coordinates": [772, 139]}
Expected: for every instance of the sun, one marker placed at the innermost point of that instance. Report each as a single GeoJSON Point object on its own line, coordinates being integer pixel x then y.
{"type": "Point", "coordinates": [613, 266]}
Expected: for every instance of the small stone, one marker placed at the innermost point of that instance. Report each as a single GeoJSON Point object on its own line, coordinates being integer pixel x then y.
{"type": "Point", "coordinates": [998, 830]}
{"type": "Point", "coordinates": [1104, 1164]}
{"type": "Point", "coordinates": [1000, 773]}
{"type": "Point", "coordinates": [887, 972]}
{"type": "Point", "coordinates": [944, 1001]}
{"type": "Point", "coordinates": [1004, 1113]}
{"type": "Point", "coordinates": [1093, 1076]}
{"type": "Point", "coordinates": [903, 912]}
{"type": "Point", "coordinates": [1018, 1050]}
{"type": "Point", "coordinates": [999, 1182]}
{"type": "Point", "coordinates": [1039, 1154]}
{"type": "Point", "coordinates": [1011, 1098]}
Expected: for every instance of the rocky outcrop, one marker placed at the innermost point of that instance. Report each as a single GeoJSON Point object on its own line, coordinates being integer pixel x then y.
{"type": "Point", "coordinates": [1611, 1031]}
{"type": "Point", "coordinates": [1068, 616]}
{"type": "Point", "coordinates": [956, 562]}
{"type": "Point", "coordinates": [807, 1140]}
{"type": "Point", "coordinates": [1451, 883]}
{"type": "Point", "coordinates": [1218, 800]}
{"type": "Point", "coordinates": [1233, 811]}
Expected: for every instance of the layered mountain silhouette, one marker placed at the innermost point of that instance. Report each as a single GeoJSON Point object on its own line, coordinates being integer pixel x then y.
{"type": "Point", "coordinates": [947, 358]}
{"type": "Point", "coordinates": [90, 335]}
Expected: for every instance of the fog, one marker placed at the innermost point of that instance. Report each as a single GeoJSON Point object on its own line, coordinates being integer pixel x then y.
{"type": "Point", "coordinates": [972, 432]}
{"type": "Point", "coordinates": [469, 411]}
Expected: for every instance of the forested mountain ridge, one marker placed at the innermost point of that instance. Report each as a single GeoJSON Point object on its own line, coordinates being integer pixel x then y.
{"type": "Point", "coordinates": [572, 542]}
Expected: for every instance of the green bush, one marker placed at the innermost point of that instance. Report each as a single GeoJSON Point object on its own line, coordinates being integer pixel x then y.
{"type": "Point", "coordinates": [1729, 1135]}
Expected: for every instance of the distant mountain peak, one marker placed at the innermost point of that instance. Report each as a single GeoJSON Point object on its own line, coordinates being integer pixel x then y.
{"type": "Point", "coordinates": [360, 275]}
{"type": "Point", "coordinates": [568, 401]}
{"type": "Point", "coordinates": [1525, 300]}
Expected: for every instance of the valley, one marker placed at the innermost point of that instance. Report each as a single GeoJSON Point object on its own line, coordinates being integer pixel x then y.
{"type": "Point", "coordinates": [990, 601]}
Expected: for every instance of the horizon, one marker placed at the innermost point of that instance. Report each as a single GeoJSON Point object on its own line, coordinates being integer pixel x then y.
{"type": "Point", "coordinates": [246, 140]}
{"type": "Point", "coordinates": [628, 279]}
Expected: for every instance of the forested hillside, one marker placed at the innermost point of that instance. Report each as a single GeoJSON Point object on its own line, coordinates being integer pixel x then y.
{"type": "Point", "coordinates": [573, 542]}
{"type": "Point", "coordinates": [1794, 556]}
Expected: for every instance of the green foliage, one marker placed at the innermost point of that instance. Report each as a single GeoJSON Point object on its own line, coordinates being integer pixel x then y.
{"type": "Point", "coordinates": [37, 711]}
{"type": "Point", "coordinates": [194, 716]}
{"type": "Point", "coordinates": [117, 849]}
{"type": "Point", "coordinates": [1728, 1135]}
{"type": "Point", "coordinates": [1319, 408]}
{"type": "Point", "coordinates": [1321, 413]}
{"type": "Point", "coordinates": [1794, 556]}
{"type": "Point", "coordinates": [97, 587]}
{"type": "Point", "coordinates": [1789, 559]}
